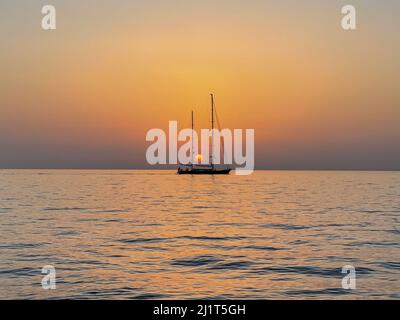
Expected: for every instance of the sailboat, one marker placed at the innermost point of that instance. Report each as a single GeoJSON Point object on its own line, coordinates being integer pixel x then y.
{"type": "Point", "coordinates": [211, 168]}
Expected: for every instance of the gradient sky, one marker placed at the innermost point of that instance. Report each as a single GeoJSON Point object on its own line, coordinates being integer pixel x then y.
{"type": "Point", "coordinates": [84, 95]}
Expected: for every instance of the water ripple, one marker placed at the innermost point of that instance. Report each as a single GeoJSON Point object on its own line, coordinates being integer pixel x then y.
{"type": "Point", "coordinates": [196, 261]}
{"type": "Point", "coordinates": [141, 240]}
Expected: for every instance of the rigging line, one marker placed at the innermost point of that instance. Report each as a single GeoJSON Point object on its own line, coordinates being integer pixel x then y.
{"type": "Point", "coordinates": [216, 116]}
{"type": "Point", "coordinates": [219, 128]}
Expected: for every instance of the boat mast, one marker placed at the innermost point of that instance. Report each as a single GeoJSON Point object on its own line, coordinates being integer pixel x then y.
{"type": "Point", "coordinates": [212, 129]}
{"type": "Point", "coordinates": [192, 139]}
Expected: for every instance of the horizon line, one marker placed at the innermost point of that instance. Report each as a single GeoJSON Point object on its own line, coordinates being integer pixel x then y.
{"type": "Point", "coordinates": [172, 169]}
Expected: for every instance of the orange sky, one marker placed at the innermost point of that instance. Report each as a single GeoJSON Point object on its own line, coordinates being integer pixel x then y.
{"type": "Point", "coordinates": [85, 94]}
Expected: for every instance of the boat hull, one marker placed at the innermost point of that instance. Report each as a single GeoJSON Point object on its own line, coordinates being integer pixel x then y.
{"type": "Point", "coordinates": [204, 171]}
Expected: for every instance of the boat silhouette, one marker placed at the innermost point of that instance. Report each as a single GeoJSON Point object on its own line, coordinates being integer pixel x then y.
{"type": "Point", "coordinates": [210, 168]}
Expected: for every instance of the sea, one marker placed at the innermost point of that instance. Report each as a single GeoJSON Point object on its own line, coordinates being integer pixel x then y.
{"type": "Point", "coordinates": [144, 234]}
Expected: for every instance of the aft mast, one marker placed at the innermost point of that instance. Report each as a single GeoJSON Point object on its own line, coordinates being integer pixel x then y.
{"type": "Point", "coordinates": [212, 130]}
{"type": "Point", "coordinates": [192, 138]}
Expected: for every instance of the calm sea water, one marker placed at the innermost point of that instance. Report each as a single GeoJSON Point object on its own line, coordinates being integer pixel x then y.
{"type": "Point", "coordinates": [154, 234]}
